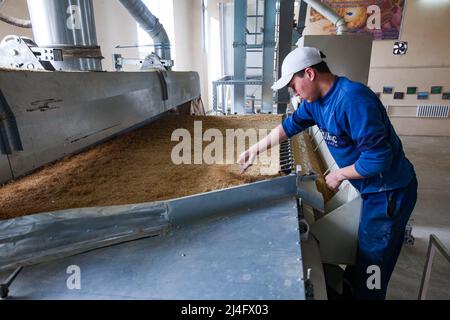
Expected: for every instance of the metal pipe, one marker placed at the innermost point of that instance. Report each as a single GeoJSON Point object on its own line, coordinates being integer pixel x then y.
{"type": "Point", "coordinates": [68, 25]}
{"type": "Point", "coordinates": [15, 21]}
{"type": "Point", "coordinates": [330, 14]}
{"type": "Point", "coordinates": [150, 24]}
{"type": "Point", "coordinates": [21, 23]}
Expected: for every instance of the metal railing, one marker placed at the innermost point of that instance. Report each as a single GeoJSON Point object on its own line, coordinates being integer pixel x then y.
{"type": "Point", "coordinates": [434, 245]}
{"type": "Point", "coordinates": [229, 81]}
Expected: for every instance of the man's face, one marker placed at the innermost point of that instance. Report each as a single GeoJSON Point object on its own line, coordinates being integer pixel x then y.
{"type": "Point", "coordinates": [305, 87]}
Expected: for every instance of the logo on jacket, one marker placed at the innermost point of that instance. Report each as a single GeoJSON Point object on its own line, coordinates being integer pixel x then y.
{"type": "Point", "coordinates": [334, 141]}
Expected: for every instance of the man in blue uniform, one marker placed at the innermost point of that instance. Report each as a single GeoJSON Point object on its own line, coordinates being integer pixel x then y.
{"type": "Point", "coordinates": [367, 150]}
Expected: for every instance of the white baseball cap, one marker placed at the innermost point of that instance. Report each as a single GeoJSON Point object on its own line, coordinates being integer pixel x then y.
{"type": "Point", "coordinates": [298, 60]}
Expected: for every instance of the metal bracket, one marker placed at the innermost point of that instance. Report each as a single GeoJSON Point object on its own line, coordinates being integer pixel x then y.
{"type": "Point", "coordinates": [4, 287]}
{"type": "Point", "coordinates": [239, 44]}
{"type": "Point", "coordinates": [307, 191]}
{"type": "Point", "coordinates": [9, 133]}
{"type": "Point", "coordinates": [15, 53]}
{"type": "Point", "coordinates": [152, 61]}
{"type": "Point", "coordinates": [46, 54]}
{"type": "Point", "coordinates": [162, 80]}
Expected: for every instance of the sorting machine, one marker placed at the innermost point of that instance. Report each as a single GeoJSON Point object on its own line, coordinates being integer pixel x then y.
{"type": "Point", "coordinates": [258, 241]}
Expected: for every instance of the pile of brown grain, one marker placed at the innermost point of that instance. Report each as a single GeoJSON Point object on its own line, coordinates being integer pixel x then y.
{"type": "Point", "coordinates": [132, 168]}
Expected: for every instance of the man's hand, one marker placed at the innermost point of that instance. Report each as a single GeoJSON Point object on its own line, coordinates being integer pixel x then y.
{"type": "Point", "coordinates": [246, 160]}
{"type": "Point", "coordinates": [334, 179]}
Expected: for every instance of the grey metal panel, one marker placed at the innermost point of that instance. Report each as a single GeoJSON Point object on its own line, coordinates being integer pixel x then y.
{"type": "Point", "coordinates": [337, 233]}
{"type": "Point", "coordinates": [312, 260]}
{"type": "Point", "coordinates": [5, 169]}
{"type": "Point", "coordinates": [37, 238]}
{"type": "Point", "coordinates": [347, 55]}
{"type": "Point", "coordinates": [185, 209]}
{"type": "Point", "coordinates": [64, 112]}
{"type": "Point", "coordinates": [240, 53]}
{"type": "Point", "coordinates": [307, 191]}
{"type": "Point", "coordinates": [217, 246]}
{"type": "Point", "coordinates": [268, 55]}
{"type": "Point", "coordinates": [182, 87]}
{"type": "Point", "coordinates": [244, 254]}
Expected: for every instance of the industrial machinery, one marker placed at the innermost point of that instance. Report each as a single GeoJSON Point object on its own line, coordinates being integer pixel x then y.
{"type": "Point", "coordinates": [275, 239]}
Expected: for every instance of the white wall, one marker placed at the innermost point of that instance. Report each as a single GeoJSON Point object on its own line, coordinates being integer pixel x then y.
{"type": "Point", "coordinates": [114, 27]}
{"type": "Point", "coordinates": [426, 28]}
{"type": "Point", "coordinates": [188, 42]}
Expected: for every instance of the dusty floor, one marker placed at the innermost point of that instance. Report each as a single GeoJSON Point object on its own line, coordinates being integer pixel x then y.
{"type": "Point", "coordinates": [133, 168]}
{"type": "Point", "coordinates": [431, 158]}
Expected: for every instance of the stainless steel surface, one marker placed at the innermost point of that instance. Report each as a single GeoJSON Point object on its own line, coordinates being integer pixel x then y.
{"type": "Point", "coordinates": [337, 233]}
{"type": "Point", "coordinates": [150, 24]}
{"type": "Point", "coordinates": [65, 23]}
{"type": "Point", "coordinates": [4, 287]}
{"type": "Point", "coordinates": [40, 237]}
{"type": "Point", "coordinates": [64, 112]}
{"type": "Point", "coordinates": [183, 210]}
{"type": "Point", "coordinates": [329, 14]}
{"type": "Point", "coordinates": [248, 249]}
{"type": "Point", "coordinates": [37, 238]}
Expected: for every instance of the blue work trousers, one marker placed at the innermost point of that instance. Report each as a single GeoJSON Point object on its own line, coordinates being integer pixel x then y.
{"type": "Point", "coordinates": [381, 234]}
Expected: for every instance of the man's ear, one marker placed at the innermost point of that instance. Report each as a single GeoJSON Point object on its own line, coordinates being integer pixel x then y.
{"type": "Point", "coordinates": [310, 73]}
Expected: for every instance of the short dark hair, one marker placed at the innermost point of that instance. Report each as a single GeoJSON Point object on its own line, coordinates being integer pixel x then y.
{"type": "Point", "coordinates": [321, 67]}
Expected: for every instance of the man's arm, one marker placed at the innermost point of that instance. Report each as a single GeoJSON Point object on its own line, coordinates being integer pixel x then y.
{"type": "Point", "coordinates": [300, 120]}
{"type": "Point", "coordinates": [274, 138]}
{"type": "Point", "coordinates": [334, 179]}
{"type": "Point", "coordinates": [371, 135]}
